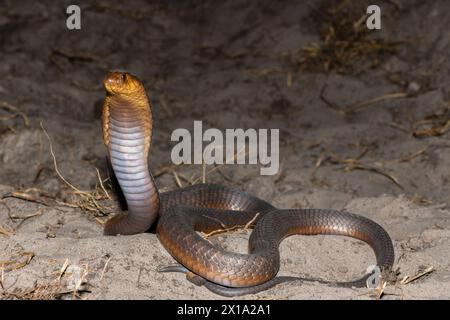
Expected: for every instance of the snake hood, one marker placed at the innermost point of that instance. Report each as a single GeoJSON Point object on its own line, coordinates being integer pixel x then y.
{"type": "Point", "coordinates": [127, 133]}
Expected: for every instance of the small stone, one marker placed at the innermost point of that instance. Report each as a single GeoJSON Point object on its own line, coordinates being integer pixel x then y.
{"type": "Point", "coordinates": [413, 87]}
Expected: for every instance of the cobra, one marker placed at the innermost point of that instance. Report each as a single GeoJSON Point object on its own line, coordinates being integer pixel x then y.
{"type": "Point", "coordinates": [127, 133]}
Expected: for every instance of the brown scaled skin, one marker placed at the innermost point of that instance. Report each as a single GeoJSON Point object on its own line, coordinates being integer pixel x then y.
{"type": "Point", "coordinates": [127, 132]}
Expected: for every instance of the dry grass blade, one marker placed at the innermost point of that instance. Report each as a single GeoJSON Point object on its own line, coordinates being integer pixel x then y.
{"type": "Point", "coordinates": [100, 221]}
{"type": "Point", "coordinates": [2, 279]}
{"type": "Point", "coordinates": [27, 197]}
{"type": "Point", "coordinates": [38, 213]}
{"type": "Point", "coordinates": [14, 264]}
{"type": "Point", "coordinates": [380, 289]}
{"type": "Point", "coordinates": [55, 164]}
{"type": "Point", "coordinates": [101, 184]}
{"type": "Point", "coordinates": [360, 166]}
{"type": "Point", "coordinates": [88, 199]}
{"type": "Point", "coordinates": [68, 279]}
{"type": "Point", "coordinates": [104, 268]}
{"type": "Point", "coordinates": [319, 161]}
{"type": "Point", "coordinates": [317, 165]}
{"type": "Point", "coordinates": [5, 232]}
{"type": "Point", "coordinates": [413, 155]}
{"type": "Point", "coordinates": [8, 209]}
{"type": "Point", "coordinates": [250, 223]}
{"type": "Point", "coordinates": [80, 282]}
{"type": "Point", "coordinates": [165, 170]}
{"type": "Point", "coordinates": [408, 157]}
{"type": "Point", "coordinates": [233, 228]}
{"type": "Point", "coordinates": [351, 164]}
{"type": "Point", "coordinates": [76, 55]}
{"type": "Point", "coordinates": [289, 79]}
{"type": "Point", "coordinates": [29, 256]}
{"type": "Point", "coordinates": [434, 124]}
{"type": "Point", "coordinates": [15, 113]}
{"type": "Point", "coordinates": [177, 179]}
{"type": "Point", "coordinates": [399, 127]}
{"type": "Point", "coordinates": [432, 132]}
{"type": "Point", "coordinates": [265, 71]}
{"type": "Point", "coordinates": [203, 172]}
{"type": "Point", "coordinates": [85, 87]}
{"type": "Point", "coordinates": [420, 200]}
{"type": "Point", "coordinates": [217, 167]}
{"type": "Point", "coordinates": [363, 104]}
{"type": "Point", "coordinates": [63, 269]}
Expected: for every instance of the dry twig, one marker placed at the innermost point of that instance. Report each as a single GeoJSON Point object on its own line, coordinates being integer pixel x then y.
{"type": "Point", "coordinates": [15, 113]}
{"type": "Point", "coordinates": [409, 279]}
{"type": "Point", "coordinates": [233, 228]}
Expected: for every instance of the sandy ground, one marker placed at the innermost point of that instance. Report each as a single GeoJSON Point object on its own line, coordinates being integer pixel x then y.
{"type": "Point", "coordinates": [230, 65]}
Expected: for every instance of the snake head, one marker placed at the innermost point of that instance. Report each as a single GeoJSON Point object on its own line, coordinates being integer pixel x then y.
{"type": "Point", "coordinates": [123, 84]}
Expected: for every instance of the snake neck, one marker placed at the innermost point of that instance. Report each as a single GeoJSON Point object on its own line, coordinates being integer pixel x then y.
{"type": "Point", "coordinates": [127, 124]}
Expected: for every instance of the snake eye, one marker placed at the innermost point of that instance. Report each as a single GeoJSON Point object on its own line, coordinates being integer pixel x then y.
{"type": "Point", "coordinates": [123, 77]}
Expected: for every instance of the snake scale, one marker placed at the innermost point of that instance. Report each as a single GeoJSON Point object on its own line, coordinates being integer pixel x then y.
{"type": "Point", "coordinates": [127, 133]}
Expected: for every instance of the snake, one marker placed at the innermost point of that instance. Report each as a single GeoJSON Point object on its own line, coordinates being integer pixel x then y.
{"type": "Point", "coordinates": [179, 215]}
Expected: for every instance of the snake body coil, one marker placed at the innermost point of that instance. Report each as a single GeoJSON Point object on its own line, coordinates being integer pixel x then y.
{"type": "Point", "coordinates": [127, 132]}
